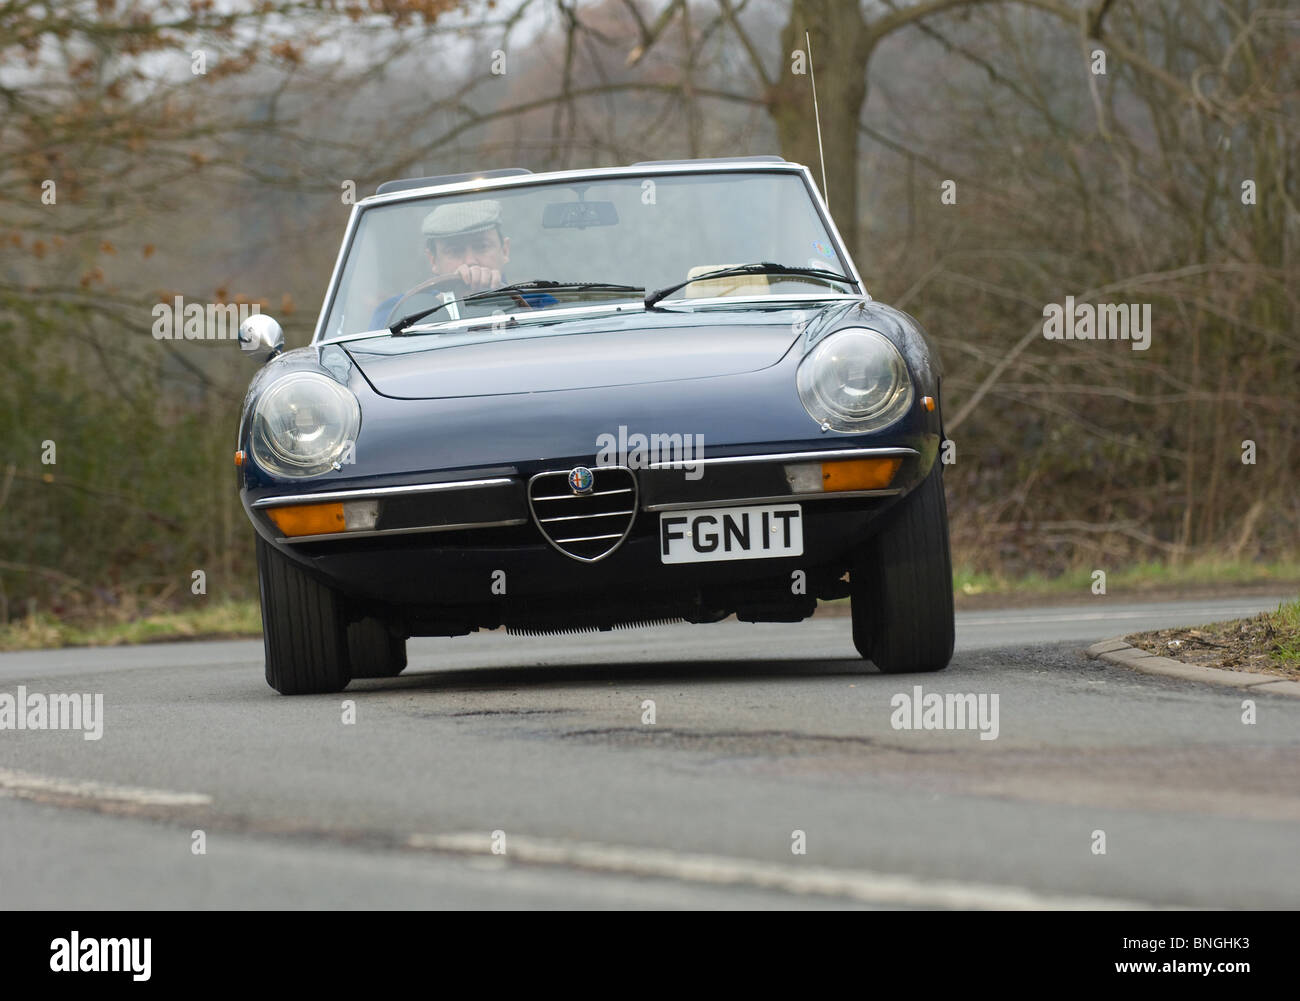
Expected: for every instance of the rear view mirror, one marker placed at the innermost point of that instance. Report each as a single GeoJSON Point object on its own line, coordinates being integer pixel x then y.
{"type": "Point", "coordinates": [579, 215]}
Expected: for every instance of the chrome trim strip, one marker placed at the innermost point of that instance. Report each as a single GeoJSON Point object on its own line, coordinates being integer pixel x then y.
{"type": "Point", "coordinates": [353, 218]}
{"type": "Point", "coordinates": [825, 211]}
{"type": "Point", "coordinates": [587, 538]}
{"type": "Point", "coordinates": [834, 453]}
{"type": "Point", "coordinates": [401, 531]}
{"type": "Point", "coordinates": [594, 493]}
{"type": "Point", "coordinates": [781, 499]}
{"type": "Point", "coordinates": [584, 173]}
{"type": "Point", "coordinates": [366, 493]}
{"type": "Point", "coordinates": [578, 517]}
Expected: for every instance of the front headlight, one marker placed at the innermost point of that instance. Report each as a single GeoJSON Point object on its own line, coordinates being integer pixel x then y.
{"type": "Point", "coordinates": [303, 424]}
{"type": "Point", "coordinates": [855, 380]}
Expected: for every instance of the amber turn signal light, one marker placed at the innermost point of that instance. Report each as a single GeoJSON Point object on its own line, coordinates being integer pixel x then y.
{"type": "Point", "coordinates": [308, 519]}
{"type": "Point", "coordinates": [859, 474]}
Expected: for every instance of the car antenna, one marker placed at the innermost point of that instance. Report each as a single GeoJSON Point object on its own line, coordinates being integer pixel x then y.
{"type": "Point", "coordinates": [812, 73]}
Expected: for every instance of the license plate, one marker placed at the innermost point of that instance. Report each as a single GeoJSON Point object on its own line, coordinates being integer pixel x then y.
{"type": "Point", "coordinates": [730, 533]}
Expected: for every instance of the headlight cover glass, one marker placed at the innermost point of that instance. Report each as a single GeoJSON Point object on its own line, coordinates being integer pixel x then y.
{"type": "Point", "coordinates": [303, 424]}
{"type": "Point", "coordinates": [855, 380]}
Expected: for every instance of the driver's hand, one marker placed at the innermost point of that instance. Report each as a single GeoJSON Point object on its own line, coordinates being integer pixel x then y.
{"type": "Point", "coordinates": [478, 278]}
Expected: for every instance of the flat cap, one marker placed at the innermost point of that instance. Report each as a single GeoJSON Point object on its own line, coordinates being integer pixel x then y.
{"type": "Point", "coordinates": [460, 218]}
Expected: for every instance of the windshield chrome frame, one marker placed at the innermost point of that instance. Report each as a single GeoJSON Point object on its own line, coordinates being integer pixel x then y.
{"type": "Point", "coordinates": [590, 174]}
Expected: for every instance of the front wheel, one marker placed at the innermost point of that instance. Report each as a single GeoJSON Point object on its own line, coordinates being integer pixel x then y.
{"type": "Point", "coordinates": [303, 627]}
{"type": "Point", "coordinates": [374, 651]}
{"type": "Point", "coordinates": [902, 586]}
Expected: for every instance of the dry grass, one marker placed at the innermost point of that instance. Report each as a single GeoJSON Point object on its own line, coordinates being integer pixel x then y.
{"type": "Point", "coordinates": [1269, 643]}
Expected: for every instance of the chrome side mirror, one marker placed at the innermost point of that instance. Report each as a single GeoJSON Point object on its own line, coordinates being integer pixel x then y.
{"type": "Point", "coordinates": [260, 337]}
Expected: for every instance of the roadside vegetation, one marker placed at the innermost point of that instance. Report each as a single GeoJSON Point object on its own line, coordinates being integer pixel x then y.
{"type": "Point", "coordinates": [1269, 643]}
{"type": "Point", "coordinates": [226, 620]}
{"type": "Point", "coordinates": [1154, 580]}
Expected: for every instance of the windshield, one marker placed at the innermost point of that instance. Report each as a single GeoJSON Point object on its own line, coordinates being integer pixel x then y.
{"type": "Point", "coordinates": [646, 232]}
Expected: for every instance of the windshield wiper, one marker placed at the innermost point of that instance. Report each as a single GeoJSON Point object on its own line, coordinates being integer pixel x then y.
{"type": "Point", "coordinates": [537, 285]}
{"type": "Point", "coordinates": [761, 268]}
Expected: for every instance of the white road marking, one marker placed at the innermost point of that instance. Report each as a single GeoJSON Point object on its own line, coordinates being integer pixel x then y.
{"type": "Point", "coordinates": [1195, 613]}
{"type": "Point", "coordinates": [28, 786]}
{"type": "Point", "coordinates": [890, 890]}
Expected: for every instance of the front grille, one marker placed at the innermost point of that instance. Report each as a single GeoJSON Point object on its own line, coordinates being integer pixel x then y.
{"type": "Point", "coordinates": [588, 526]}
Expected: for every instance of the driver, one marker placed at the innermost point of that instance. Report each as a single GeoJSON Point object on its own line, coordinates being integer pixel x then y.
{"type": "Point", "coordinates": [465, 239]}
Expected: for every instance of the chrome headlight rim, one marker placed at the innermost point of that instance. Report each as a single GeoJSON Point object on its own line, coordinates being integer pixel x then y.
{"type": "Point", "coordinates": [274, 456]}
{"type": "Point", "coordinates": [835, 412]}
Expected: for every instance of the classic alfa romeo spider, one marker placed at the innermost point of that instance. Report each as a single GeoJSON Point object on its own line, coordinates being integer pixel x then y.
{"type": "Point", "coordinates": [589, 400]}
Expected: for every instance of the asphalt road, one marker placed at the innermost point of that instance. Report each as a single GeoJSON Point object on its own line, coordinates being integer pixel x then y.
{"type": "Point", "coordinates": [760, 731]}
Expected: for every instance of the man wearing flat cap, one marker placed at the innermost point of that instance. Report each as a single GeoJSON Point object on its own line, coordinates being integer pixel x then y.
{"type": "Point", "coordinates": [465, 239]}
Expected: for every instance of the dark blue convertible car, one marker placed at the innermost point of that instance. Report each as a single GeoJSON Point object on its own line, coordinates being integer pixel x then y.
{"type": "Point", "coordinates": [587, 400]}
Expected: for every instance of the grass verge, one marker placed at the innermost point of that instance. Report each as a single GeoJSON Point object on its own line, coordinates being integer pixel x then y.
{"type": "Point", "coordinates": [227, 620]}
{"type": "Point", "coordinates": [1138, 579]}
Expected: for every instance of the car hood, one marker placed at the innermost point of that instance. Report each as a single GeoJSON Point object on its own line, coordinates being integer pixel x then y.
{"type": "Point", "coordinates": [617, 350]}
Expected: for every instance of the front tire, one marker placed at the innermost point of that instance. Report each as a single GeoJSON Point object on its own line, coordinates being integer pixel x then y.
{"type": "Point", "coordinates": [374, 651]}
{"type": "Point", "coordinates": [303, 627]}
{"type": "Point", "coordinates": [902, 586]}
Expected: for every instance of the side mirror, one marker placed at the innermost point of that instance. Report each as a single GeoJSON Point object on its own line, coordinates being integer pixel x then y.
{"type": "Point", "coordinates": [260, 337]}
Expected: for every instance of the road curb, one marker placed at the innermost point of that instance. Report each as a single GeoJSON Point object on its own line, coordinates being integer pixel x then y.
{"type": "Point", "coordinates": [1120, 652]}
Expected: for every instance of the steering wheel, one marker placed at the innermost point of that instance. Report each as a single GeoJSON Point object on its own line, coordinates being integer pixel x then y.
{"type": "Point", "coordinates": [452, 282]}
